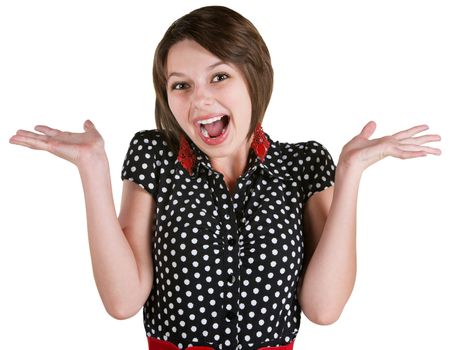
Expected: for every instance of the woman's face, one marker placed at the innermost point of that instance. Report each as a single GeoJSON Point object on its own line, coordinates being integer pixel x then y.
{"type": "Point", "coordinates": [209, 99]}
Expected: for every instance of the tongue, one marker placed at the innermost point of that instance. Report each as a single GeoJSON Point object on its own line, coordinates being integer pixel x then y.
{"type": "Point", "coordinates": [214, 129]}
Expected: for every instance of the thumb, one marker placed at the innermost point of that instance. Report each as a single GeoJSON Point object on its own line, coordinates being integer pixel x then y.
{"type": "Point", "coordinates": [88, 125]}
{"type": "Point", "coordinates": [368, 129]}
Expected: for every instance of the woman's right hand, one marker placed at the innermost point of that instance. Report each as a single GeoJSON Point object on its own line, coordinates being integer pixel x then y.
{"type": "Point", "coordinates": [74, 147]}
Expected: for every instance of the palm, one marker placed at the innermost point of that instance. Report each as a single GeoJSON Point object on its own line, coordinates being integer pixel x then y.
{"type": "Point", "coordinates": [67, 145]}
{"type": "Point", "coordinates": [361, 152]}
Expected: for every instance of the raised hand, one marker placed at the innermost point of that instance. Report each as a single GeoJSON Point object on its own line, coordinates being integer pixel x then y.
{"type": "Point", "coordinates": [360, 152]}
{"type": "Point", "coordinates": [74, 147]}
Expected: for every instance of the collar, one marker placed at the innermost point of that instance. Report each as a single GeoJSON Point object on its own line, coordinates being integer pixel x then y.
{"type": "Point", "coordinates": [264, 154]}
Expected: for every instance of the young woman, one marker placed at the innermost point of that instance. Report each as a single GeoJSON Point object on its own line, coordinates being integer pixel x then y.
{"type": "Point", "coordinates": [224, 235]}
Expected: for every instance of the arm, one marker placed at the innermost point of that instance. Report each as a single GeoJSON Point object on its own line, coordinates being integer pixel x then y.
{"type": "Point", "coordinates": [121, 260]}
{"type": "Point", "coordinates": [330, 228]}
{"type": "Point", "coordinates": [330, 221]}
{"type": "Point", "coordinates": [120, 247]}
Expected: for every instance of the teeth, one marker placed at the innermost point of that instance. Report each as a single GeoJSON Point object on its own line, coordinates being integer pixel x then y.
{"type": "Point", "coordinates": [209, 121]}
{"type": "Point", "coordinates": [204, 132]}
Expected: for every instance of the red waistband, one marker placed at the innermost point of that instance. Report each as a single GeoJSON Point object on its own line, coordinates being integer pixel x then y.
{"type": "Point", "coordinates": [159, 344]}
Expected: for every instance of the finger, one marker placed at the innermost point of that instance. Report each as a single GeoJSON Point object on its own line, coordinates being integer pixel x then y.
{"type": "Point", "coordinates": [368, 129]}
{"type": "Point", "coordinates": [402, 154]}
{"type": "Point", "coordinates": [420, 140]}
{"type": "Point", "coordinates": [410, 132]}
{"type": "Point", "coordinates": [419, 148]}
{"type": "Point", "coordinates": [32, 135]}
{"type": "Point", "coordinates": [29, 142]}
{"type": "Point", "coordinates": [47, 130]}
{"type": "Point", "coordinates": [88, 125]}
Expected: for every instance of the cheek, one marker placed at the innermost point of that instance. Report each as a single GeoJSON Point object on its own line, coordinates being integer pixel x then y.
{"type": "Point", "coordinates": [242, 100]}
{"type": "Point", "coordinates": [177, 107]}
{"type": "Point", "coordinates": [248, 106]}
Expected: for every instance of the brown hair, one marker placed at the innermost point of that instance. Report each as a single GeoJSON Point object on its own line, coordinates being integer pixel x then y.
{"type": "Point", "coordinates": [232, 38]}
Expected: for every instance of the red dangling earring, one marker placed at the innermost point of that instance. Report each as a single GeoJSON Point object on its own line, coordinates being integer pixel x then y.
{"type": "Point", "coordinates": [260, 144]}
{"type": "Point", "coordinates": [186, 155]}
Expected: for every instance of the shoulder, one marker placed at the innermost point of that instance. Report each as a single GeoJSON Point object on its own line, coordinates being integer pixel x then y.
{"type": "Point", "coordinates": [299, 152]}
{"type": "Point", "coordinates": [307, 162]}
{"type": "Point", "coordinates": [150, 142]}
{"type": "Point", "coordinates": [151, 137]}
{"type": "Point", "coordinates": [313, 148]}
{"type": "Point", "coordinates": [147, 158]}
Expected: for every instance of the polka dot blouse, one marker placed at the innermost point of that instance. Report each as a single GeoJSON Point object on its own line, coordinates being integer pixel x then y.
{"type": "Point", "coordinates": [226, 265]}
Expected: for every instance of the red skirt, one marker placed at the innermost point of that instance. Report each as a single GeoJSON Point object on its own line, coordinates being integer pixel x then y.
{"type": "Point", "coordinates": [158, 344]}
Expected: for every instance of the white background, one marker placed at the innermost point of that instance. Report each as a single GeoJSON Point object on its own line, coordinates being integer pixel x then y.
{"type": "Point", "coordinates": [338, 64]}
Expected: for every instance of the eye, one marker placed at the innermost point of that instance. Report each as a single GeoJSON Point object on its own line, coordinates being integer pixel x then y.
{"type": "Point", "coordinates": [179, 86]}
{"type": "Point", "coordinates": [219, 77]}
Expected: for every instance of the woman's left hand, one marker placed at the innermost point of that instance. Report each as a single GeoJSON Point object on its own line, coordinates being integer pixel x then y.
{"type": "Point", "coordinates": [360, 152]}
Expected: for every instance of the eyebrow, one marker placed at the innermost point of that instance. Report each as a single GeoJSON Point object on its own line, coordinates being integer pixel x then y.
{"type": "Point", "coordinates": [212, 66]}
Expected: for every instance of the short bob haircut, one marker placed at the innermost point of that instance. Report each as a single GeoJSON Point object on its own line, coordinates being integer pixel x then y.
{"type": "Point", "coordinates": [232, 38]}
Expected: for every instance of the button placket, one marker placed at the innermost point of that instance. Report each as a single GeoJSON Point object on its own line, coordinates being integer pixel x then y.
{"type": "Point", "coordinates": [230, 260]}
{"type": "Point", "coordinates": [238, 207]}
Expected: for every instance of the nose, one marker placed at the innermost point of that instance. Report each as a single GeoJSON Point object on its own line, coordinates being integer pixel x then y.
{"type": "Point", "coordinates": [202, 97]}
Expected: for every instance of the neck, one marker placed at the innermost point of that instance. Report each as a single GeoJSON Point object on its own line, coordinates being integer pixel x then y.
{"type": "Point", "coordinates": [232, 166]}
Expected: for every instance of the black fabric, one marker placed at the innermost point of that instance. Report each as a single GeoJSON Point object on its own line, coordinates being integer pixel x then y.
{"type": "Point", "coordinates": [227, 264]}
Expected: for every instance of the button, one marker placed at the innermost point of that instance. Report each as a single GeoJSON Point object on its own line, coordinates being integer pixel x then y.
{"type": "Point", "coordinates": [231, 242]}
{"type": "Point", "coordinates": [231, 279]}
{"type": "Point", "coordinates": [230, 315]}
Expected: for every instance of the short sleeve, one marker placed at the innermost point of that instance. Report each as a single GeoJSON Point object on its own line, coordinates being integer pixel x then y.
{"type": "Point", "coordinates": [318, 169]}
{"type": "Point", "coordinates": [140, 165]}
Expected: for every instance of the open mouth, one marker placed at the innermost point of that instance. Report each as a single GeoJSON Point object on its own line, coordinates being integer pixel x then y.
{"type": "Point", "coordinates": [214, 127]}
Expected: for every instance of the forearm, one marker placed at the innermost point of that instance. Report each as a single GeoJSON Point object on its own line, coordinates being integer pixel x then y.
{"type": "Point", "coordinates": [114, 265]}
{"type": "Point", "coordinates": [331, 272]}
